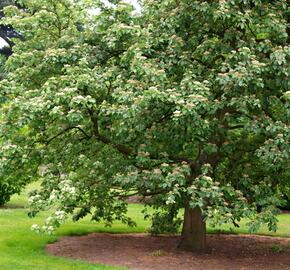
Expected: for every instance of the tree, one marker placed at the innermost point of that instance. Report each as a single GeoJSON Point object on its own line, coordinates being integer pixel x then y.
{"type": "Point", "coordinates": [186, 105]}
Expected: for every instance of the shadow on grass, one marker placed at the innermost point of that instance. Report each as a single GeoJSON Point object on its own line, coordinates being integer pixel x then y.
{"type": "Point", "coordinates": [12, 206]}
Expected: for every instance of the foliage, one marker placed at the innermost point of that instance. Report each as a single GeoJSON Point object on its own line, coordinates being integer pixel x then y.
{"type": "Point", "coordinates": [8, 186]}
{"type": "Point", "coordinates": [187, 103]}
{"type": "Point", "coordinates": [2, 68]}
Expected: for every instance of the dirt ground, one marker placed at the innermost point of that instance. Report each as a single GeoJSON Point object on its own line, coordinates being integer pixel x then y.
{"type": "Point", "coordinates": [142, 251]}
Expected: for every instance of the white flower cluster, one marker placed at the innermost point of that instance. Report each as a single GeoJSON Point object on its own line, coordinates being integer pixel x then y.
{"type": "Point", "coordinates": [36, 202]}
{"type": "Point", "coordinates": [67, 189]}
{"type": "Point", "coordinates": [53, 196]}
{"type": "Point", "coordinates": [53, 221]}
{"type": "Point", "coordinates": [60, 216]}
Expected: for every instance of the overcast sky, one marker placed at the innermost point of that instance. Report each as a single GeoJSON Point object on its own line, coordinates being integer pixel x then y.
{"type": "Point", "coordinates": [3, 43]}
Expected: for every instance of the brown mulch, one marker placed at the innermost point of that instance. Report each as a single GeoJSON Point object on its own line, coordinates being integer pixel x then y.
{"type": "Point", "coordinates": [142, 251]}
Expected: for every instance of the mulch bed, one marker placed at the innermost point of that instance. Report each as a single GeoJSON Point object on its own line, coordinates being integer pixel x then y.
{"type": "Point", "coordinates": [142, 251]}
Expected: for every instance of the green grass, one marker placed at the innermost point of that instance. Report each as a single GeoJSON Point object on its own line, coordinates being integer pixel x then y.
{"type": "Point", "coordinates": [22, 249]}
{"type": "Point", "coordinates": [283, 228]}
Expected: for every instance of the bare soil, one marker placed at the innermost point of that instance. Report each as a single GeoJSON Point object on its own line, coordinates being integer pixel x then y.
{"type": "Point", "coordinates": [142, 251]}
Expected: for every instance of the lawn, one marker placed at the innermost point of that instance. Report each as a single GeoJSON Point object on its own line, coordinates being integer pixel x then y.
{"type": "Point", "coordinates": [22, 249]}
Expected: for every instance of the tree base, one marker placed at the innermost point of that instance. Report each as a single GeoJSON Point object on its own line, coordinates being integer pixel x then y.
{"type": "Point", "coordinates": [191, 245]}
{"type": "Point", "coordinates": [193, 236]}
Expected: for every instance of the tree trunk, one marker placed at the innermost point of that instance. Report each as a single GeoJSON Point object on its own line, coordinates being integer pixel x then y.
{"type": "Point", "coordinates": [193, 236]}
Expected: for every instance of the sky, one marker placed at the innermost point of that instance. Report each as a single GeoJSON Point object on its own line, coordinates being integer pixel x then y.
{"type": "Point", "coordinates": [3, 43]}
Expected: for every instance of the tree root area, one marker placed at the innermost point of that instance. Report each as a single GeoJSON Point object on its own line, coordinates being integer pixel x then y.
{"type": "Point", "coordinates": [142, 251]}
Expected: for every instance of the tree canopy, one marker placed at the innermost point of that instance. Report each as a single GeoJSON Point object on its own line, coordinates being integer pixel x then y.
{"type": "Point", "coordinates": [186, 105]}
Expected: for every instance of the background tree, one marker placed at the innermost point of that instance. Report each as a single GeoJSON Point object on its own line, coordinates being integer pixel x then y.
{"type": "Point", "coordinates": [186, 105]}
{"type": "Point", "coordinates": [7, 33]}
{"type": "Point", "coordinates": [6, 188]}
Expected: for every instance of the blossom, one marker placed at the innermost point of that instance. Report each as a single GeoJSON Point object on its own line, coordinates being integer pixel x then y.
{"type": "Point", "coordinates": [177, 113]}
{"type": "Point", "coordinates": [157, 171]}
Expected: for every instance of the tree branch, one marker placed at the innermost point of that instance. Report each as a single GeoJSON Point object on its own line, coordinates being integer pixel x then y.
{"type": "Point", "coordinates": [64, 131]}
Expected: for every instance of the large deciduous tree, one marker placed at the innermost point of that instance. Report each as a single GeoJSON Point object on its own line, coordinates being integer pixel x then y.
{"type": "Point", "coordinates": [186, 105]}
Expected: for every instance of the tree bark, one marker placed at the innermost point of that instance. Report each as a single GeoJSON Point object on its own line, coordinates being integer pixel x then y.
{"type": "Point", "coordinates": [193, 237]}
